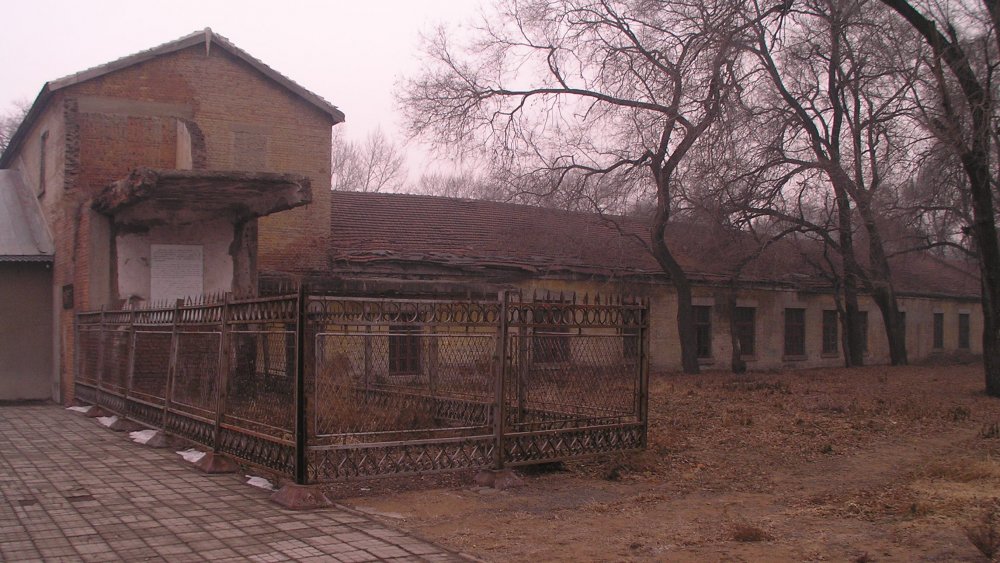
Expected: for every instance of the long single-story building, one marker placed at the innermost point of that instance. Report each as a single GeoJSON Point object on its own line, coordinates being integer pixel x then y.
{"type": "Point", "coordinates": [779, 303]}
{"type": "Point", "coordinates": [195, 168]}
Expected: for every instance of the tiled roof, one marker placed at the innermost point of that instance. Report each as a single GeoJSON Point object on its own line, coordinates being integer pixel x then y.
{"type": "Point", "coordinates": [374, 228]}
{"type": "Point", "coordinates": [23, 235]}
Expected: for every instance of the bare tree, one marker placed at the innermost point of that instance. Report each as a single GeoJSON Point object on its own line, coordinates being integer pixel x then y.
{"type": "Point", "coordinates": [968, 130]}
{"type": "Point", "coordinates": [840, 79]}
{"type": "Point", "coordinates": [374, 165]}
{"type": "Point", "coordinates": [585, 93]}
{"type": "Point", "coordinates": [11, 120]}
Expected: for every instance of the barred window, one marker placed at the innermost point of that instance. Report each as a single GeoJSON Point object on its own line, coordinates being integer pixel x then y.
{"type": "Point", "coordinates": [795, 332]}
{"type": "Point", "coordinates": [703, 330]}
{"type": "Point", "coordinates": [963, 331]}
{"type": "Point", "coordinates": [744, 322]}
{"type": "Point", "coordinates": [404, 350]}
{"type": "Point", "coordinates": [938, 330]}
{"type": "Point", "coordinates": [831, 332]}
{"type": "Point", "coordinates": [863, 323]}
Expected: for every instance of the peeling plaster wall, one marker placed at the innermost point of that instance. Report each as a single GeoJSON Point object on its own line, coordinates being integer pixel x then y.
{"type": "Point", "coordinates": [26, 334]}
{"type": "Point", "coordinates": [133, 256]}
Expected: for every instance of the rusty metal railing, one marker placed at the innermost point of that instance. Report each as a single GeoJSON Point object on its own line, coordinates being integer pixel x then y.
{"type": "Point", "coordinates": [320, 388]}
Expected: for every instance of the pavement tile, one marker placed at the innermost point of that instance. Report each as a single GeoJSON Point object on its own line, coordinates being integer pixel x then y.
{"type": "Point", "coordinates": [76, 491]}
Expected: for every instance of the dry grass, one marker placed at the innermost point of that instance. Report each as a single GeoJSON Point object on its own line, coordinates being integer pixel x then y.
{"type": "Point", "coordinates": [864, 464]}
{"type": "Point", "coordinates": [744, 531]}
{"type": "Point", "coordinates": [985, 534]}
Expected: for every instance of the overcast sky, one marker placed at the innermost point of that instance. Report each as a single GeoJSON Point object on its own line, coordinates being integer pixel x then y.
{"type": "Point", "coordinates": [349, 52]}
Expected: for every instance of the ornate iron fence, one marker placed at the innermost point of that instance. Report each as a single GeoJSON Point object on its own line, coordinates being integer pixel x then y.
{"type": "Point", "coordinates": [323, 388]}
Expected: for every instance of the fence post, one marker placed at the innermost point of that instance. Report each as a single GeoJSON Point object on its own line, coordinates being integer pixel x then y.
{"type": "Point", "coordinates": [98, 392]}
{"type": "Point", "coordinates": [300, 388]}
{"type": "Point", "coordinates": [522, 366]}
{"type": "Point", "coordinates": [77, 360]}
{"type": "Point", "coordinates": [168, 391]}
{"type": "Point", "coordinates": [499, 410]}
{"type": "Point", "coordinates": [131, 362]}
{"type": "Point", "coordinates": [223, 380]}
{"type": "Point", "coordinates": [644, 369]}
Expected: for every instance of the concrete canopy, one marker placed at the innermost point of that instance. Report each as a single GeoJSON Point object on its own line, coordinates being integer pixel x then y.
{"type": "Point", "coordinates": [149, 197]}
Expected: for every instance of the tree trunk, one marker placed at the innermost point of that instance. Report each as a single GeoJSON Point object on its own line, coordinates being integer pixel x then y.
{"type": "Point", "coordinates": [738, 365]}
{"type": "Point", "coordinates": [853, 335]}
{"type": "Point", "coordinates": [975, 159]}
{"type": "Point", "coordinates": [882, 289]}
{"type": "Point", "coordinates": [685, 312]}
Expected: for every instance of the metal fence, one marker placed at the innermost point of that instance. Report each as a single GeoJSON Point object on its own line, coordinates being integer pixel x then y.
{"type": "Point", "coordinates": [322, 388]}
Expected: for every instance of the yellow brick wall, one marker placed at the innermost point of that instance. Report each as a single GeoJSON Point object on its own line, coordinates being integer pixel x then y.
{"type": "Point", "coordinates": [770, 304]}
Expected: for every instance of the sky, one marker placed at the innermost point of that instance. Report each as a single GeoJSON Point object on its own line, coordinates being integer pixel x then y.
{"type": "Point", "coordinates": [350, 52]}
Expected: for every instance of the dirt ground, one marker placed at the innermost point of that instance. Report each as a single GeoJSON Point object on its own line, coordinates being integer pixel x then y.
{"type": "Point", "coordinates": [872, 464]}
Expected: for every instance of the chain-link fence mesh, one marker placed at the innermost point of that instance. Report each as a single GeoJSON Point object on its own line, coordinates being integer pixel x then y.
{"type": "Point", "coordinates": [389, 386]}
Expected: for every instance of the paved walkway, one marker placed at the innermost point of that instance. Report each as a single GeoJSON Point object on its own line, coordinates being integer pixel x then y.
{"type": "Point", "coordinates": [72, 490]}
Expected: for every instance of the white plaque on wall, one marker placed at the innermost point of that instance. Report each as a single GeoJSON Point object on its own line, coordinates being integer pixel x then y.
{"type": "Point", "coordinates": [175, 271]}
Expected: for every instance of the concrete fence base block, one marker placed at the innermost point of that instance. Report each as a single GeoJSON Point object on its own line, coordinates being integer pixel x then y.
{"type": "Point", "coordinates": [163, 440]}
{"type": "Point", "coordinates": [217, 463]}
{"type": "Point", "coordinates": [125, 425]}
{"type": "Point", "coordinates": [498, 478]}
{"type": "Point", "coordinates": [96, 411]}
{"type": "Point", "coordinates": [301, 497]}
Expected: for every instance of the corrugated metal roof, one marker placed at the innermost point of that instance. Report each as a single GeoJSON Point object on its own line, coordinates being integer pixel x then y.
{"type": "Point", "coordinates": [23, 234]}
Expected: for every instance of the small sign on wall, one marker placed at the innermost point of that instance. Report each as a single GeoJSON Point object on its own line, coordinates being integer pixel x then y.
{"type": "Point", "coordinates": [176, 271]}
{"type": "Point", "coordinates": [67, 296]}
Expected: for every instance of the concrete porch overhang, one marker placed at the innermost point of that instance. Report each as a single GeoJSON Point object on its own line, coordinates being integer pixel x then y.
{"type": "Point", "coordinates": [150, 197]}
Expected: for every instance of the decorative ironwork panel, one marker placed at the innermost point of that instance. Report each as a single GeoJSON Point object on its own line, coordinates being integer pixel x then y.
{"type": "Point", "coordinates": [263, 310]}
{"type": "Point", "coordinates": [552, 445]}
{"type": "Point", "coordinates": [555, 311]}
{"type": "Point", "coordinates": [259, 451]}
{"type": "Point", "coordinates": [111, 400]}
{"type": "Point", "coordinates": [85, 393]}
{"type": "Point", "coordinates": [194, 429]}
{"type": "Point", "coordinates": [151, 364]}
{"type": "Point", "coordinates": [197, 376]}
{"type": "Point", "coordinates": [381, 460]}
{"type": "Point", "coordinates": [146, 413]}
{"type": "Point", "coordinates": [345, 311]}
{"type": "Point", "coordinates": [261, 383]}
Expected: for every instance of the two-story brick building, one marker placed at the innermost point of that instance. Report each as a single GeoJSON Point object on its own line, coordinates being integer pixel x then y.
{"type": "Point", "coordinates": [156, 176]}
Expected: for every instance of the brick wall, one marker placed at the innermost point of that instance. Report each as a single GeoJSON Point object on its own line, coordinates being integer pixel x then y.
{"type": "Point", "coordinates": [233, 106]}
{"type": "Point", "coordinates": [103, 128]}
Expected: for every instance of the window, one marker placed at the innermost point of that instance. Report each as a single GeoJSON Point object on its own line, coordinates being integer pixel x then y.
{"type": "Point", "coordinates": [963, 331]}
{"type": "Point", "coordinates": [831, 332]}
{"type": "Point", "coordinates": [703, 330]}
{"type": "Point", "coordinates": [795, 332]}
{"type": "Point", "coordinates": [404, 350]}
{"type": "Point", "coordinates": [938, 330]}
{"type": "Point", "coordinates": [743, 323]}
{"type": "Point", "coordinates": [863, 323]}
{"type": "Point", "coordinates": [43, 142]}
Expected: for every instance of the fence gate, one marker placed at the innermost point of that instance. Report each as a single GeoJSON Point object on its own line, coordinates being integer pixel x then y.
{"type": "Point", "coordinates": [321, 388]}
